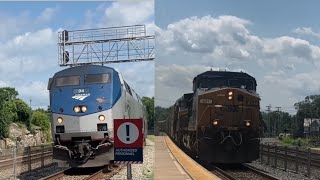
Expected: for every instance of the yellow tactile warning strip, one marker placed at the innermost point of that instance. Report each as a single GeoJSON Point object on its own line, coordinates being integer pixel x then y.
{"type": "Point", "coordinates": [195, 170]}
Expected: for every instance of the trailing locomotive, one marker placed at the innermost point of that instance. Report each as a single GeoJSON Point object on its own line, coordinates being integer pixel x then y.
{"type": "Point", "coordinates": [219, 122]}
{"type": "Point", "coordinates": [84, 101]}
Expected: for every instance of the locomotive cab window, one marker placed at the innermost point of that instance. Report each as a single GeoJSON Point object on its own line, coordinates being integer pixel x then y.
{"type": "Point", "coordinates": [212, 83]}
{"type": "Point", "coordinates": [67, 81]}
{"type": "Point", "coordinates": [97, 78]}
{"type": "Point", "coordinates": [242, 83]}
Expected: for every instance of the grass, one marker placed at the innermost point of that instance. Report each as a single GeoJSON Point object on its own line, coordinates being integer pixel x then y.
{"type": "Point", "coordinates": [151, 137]}
{"type": "Point", "coordinates": [149, 174]}
{"type": "Point", "coordinates": [295, 142]}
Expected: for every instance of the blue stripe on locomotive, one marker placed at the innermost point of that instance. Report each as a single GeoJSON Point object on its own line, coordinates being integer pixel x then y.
{"type": "Point", "coordinates": [61, 97]}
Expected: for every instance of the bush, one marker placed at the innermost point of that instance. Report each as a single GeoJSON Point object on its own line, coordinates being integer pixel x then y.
{"type": "Point", "coordinates": [295, 142]}
{"type": "Point", "coordinates": [6, 118]}
{"type": "Point", "coordinates": [41, 119]}
{"type": "Point", "coordinates": [23, 112]}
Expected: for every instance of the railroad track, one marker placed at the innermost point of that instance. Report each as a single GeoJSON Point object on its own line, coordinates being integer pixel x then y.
{"type": "Point", "coordinates": [239, 172]}
{"type": "Point", "coordinates": [26, 159]}
{"type": "Point", "coordinates": [84, 173]}
{"type": "Point", "coordinates": [291, 156]}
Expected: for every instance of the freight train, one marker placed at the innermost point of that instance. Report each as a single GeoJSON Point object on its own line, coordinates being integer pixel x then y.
{"type": "Point", "coordinates": [84, 102]}
{"type": "Point", "coordinates": [220, 121]}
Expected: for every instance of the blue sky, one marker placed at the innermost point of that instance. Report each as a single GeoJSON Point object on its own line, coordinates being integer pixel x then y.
{"type": "Point", "coordinates": [28, 41]}
{"type": "Point", "coordinates": [270, 18]}
{"type": "Point", "coordinates": [275, 41]}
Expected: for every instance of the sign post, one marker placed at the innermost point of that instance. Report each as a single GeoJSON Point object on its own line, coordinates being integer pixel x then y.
{"type": "Point", "coordinates": [128, 142]}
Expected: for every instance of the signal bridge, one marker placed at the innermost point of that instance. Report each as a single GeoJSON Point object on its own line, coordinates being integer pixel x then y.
{"type": "Point", "coordinates": [105, 45]}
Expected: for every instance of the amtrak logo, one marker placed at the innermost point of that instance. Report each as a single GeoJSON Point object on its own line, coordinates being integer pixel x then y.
{"type": "Point", "coordinates": [80, 96]}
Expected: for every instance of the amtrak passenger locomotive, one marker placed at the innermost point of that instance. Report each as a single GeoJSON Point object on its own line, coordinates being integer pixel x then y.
{"type": "Point", "coordinates": [84, 101]}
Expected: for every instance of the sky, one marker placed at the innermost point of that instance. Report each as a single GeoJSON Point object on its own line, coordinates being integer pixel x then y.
{"type": "Point", "coordinates": [29, 36]}
{"type": "Point", "coordinates": [277, 42]}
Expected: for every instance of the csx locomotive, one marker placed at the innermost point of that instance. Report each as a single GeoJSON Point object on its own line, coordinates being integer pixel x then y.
{"type": "Point", "coordinates": [84, 101]}
{"type": "Point", "coordinates": [219, 122]}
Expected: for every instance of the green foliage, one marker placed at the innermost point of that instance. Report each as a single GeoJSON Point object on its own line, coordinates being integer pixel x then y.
{"type": "Point", "coordinates": [41, 118]}
{"type": "Point", "coordinates": [280, 121]}
{"type": "Point", "coordinates": [23, 112]}
{"type": "Point", "coordinates": [7, 94]}
{"type": "Point", "coordinates": [6, 118]}
{"type": "Point", "coordinates": [161, 114]}
{"type": "Point", "coordinates": [149, 104]}
{"type": "Point", "coordinates": [295, 142]}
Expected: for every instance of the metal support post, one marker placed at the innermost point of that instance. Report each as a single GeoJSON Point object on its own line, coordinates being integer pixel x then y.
{"type": "Point", "coordinates": [14, 151]}
{"type": "Point", "coordinates": [129, 172]}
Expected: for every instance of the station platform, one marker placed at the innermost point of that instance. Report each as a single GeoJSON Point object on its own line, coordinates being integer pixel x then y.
{"type": "Point", "coordinates": [166, 166]}
{"type": "Point", "coordinates": [172, 163]}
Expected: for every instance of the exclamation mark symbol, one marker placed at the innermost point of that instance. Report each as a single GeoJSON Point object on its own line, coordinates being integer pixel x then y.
{"type": "Point", "coordinates": [127, 130]}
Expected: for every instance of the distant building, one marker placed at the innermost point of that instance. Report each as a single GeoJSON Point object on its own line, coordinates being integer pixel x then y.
{"type": "Point", "coordinates": [311, 125]}
{"type": "Point", "coordinates": [315, 125]}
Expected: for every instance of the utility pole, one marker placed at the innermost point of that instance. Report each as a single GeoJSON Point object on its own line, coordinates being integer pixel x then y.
{"type": "Point", "coordinates": [269, 125]}
{"type": "Point", "coordinates": [275, 122]}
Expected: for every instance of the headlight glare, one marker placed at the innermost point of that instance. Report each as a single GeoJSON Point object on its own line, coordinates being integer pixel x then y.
{"type": "Point", "coordinates": [76, 109]}
{"type": "Point", "coordinates": [59, 120]}
{"type": "Point", "coordinates": [230, 93]}
{"type": "Point", "coordinates": [102, 118]}
{"type": "Point", "coordinates": [84, 108]}
{"type": "Point", "coordinates": [215, 122]}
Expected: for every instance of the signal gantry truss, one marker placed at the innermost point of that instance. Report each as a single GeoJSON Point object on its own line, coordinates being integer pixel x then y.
{"type": "Point", "coordinates": [105, 45]}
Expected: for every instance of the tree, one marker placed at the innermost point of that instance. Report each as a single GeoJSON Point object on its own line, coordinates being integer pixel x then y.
{"type": "Point", "coordinates": [6, 117]}
{"type": "Point", "coordinates": [23, 112]}
{"type": "Point", "coordinates": [7, 94]}
{"type": "Point", "coordinates": [40, 118]}
{"type": "Point", "coordinates": [161, 113]}
{"type": "Point", "coordinates": [149, 104]}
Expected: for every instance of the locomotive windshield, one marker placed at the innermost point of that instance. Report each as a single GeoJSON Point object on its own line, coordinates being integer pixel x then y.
{"type": "Point", "coordinates": [209, 83]}
{"type": "Point", "coordinates": [97, 78]}
{"type": "Point", "coordinates": [67, 81]}
{"type": "Point", "coordinates": [212, 83]}
{"type": "Point", "coordinates": [242, 83]}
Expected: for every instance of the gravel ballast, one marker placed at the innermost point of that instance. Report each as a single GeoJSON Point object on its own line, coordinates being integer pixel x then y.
{"type": "Point", "coordinates": [141, 171]}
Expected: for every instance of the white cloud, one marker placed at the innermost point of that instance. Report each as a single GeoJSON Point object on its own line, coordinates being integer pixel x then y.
{"type": "Point", "coordinates": [306, 31]}
{"type": "Point", "coordinates": [29, 51]}
{"type": "Point", "coordinates": [128, 13]}
{"type": "Point", "coordinates": [285, 67]}
{"type": "Point", "coordinates": [228, 38]}
{"type": "Point", "coordinates": [47, 14]}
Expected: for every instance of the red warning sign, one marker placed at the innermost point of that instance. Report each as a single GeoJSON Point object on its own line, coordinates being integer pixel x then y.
{"type": "Point", "coordinates": [128, 133]}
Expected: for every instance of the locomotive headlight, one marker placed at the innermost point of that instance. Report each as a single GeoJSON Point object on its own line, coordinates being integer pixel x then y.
{"type": "Point", "coordinates": [248, 123]}
{"type": "Point", "coordinates": [230, 97]}
{"type": "Point", "coordinates": [102, 118]}
{"type": "Point", "coordinates": [230, 93]}
{"type": "Point", "coordinates": [76, 109]}
{"type": "Point", "coordinates": [84, 108]}
{"type": "Point", "coordinates": [59, 120]}
{"type": "Point", "coordinates": [215, 122]}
